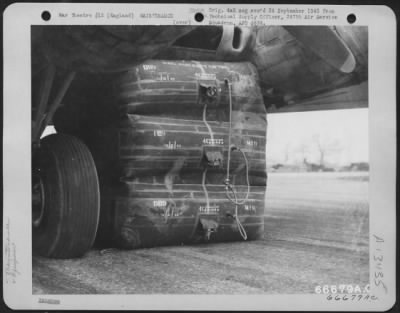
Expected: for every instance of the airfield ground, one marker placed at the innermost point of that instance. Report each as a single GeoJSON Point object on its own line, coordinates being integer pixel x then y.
{"type": "Point", "coordinates": [316, 233]}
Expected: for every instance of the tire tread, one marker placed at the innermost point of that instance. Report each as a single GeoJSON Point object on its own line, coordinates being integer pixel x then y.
{"type": "Point", "coordinates": [81, 197]}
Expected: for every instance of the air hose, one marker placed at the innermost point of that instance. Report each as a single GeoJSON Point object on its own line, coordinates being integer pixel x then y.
{"type": "Point", "coordinates": [206, 123]}
{"type": "Point", "coordinates": [203, 181]}
{"type": "Point", "coordinates": [230, 188]}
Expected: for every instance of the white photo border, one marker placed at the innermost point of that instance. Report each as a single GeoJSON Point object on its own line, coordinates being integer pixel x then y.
{"type": "Point", "coordinates": [19, 17]}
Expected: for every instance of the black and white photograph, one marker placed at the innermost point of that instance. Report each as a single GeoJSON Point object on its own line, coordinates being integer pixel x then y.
{"type": "Point", "coordinates": [160, 138]}
{"type": "Point", "coordinates": [226, 159]}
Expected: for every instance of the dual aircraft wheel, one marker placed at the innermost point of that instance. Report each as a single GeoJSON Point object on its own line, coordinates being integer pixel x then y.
{"type": "Point", "coordinates": [65, 198]}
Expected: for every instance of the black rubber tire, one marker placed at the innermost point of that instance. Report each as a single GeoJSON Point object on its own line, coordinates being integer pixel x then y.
{"type": "Point", "coordinates": [72, 198]}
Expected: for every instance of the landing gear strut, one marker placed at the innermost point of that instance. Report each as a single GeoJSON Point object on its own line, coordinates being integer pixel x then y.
{"type": "Point", "coordinates": [65, 186]}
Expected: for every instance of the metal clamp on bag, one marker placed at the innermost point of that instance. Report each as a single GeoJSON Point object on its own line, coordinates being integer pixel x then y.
{"type": "Point", "coordinates": [213, 156]}
{"type": "Point", "coordinates": [208, 93]}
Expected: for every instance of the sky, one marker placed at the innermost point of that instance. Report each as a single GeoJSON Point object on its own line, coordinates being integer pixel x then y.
{"type": "Point", "coordinates": [343, 134]}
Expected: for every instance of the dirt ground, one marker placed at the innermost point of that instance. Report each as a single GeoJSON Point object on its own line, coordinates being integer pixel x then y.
{"type": "Point", "coordinates": [316, 233]}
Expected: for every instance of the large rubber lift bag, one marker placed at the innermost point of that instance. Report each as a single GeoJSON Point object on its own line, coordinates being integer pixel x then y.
{"type": "Point", "coordinates": [163, 158]}
{"type": "Point", "coordinates": [145, 215]}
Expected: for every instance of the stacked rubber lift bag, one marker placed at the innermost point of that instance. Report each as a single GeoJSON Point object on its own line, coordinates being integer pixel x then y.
{"type": "Point", "coordinates": [184, 161]}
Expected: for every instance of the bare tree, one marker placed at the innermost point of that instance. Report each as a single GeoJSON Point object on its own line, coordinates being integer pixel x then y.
{"type": "Point", "coordinates": [287, 153]}
{"type": "Point", "coordinates": [325, 147]}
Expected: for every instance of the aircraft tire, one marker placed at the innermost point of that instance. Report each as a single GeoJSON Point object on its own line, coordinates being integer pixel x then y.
{"type": "Point", "coordinates": [66, 216]}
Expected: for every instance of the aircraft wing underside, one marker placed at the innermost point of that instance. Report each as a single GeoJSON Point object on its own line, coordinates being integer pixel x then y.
{"type": "Point", "coordinates": [300, 68]}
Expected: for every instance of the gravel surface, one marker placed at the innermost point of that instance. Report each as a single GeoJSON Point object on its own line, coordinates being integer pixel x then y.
{"type": "Point", "coordinates": [316, 233]}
